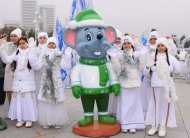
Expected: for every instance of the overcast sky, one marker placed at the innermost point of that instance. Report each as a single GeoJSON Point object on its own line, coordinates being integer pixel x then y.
{"type": "Point", "coordinates": [133, 16]}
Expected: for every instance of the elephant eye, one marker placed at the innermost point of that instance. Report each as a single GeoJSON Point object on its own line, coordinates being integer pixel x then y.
{"type": "Point", "coordinates": [88, 36]}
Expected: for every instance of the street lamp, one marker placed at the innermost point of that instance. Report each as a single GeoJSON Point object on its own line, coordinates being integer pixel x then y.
{"type": "Point", "coordinates": [36, 22]}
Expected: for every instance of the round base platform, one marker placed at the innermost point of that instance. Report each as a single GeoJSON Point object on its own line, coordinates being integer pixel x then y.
{"type": "Point", "coordinates": [97, 130]}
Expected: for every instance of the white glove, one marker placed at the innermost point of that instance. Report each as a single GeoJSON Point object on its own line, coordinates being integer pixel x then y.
{"type": "Point", "coordinates": [112, 52]}
{"type": "Point", "coordinates": [153, 68]}
{"type": "Point", "coordinates": [32, 57]}
{"type": "Point", "coordinates": [182, 54]}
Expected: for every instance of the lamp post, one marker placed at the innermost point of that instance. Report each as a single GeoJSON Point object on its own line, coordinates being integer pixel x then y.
{"type": "Point", "coordinates": [37, 22]}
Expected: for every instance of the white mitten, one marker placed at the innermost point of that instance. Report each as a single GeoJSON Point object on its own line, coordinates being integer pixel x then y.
{"type": "Point", "coordinates": [112, 52]}
{"type": "Point", "coordinates": [32, 57]}
{"type": "Point", "coordinates": [182, 54]}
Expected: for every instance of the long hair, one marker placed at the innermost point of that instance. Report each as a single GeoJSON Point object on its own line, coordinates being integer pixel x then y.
{"type": "Point", "coordinates": [14, 64]}
{"type": "Point", "coordinates": [155, 58]}
{"type": "Point", "coordinates": [167, 57]}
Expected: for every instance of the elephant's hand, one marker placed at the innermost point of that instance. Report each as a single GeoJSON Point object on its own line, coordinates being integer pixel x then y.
{"type": "Point", "coordinates": [76, 90]}
{"type": "Point", "coordinates": [115, 89]}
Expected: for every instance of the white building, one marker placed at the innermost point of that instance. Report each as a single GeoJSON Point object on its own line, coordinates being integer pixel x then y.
{"type": "Point", "coordinates": [28, 9]}
{"type": "Point", "coordinates": [47, 13]}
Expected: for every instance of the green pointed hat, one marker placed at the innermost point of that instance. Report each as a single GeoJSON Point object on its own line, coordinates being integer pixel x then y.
{"type": "Point", "coordinates": [86, 18]}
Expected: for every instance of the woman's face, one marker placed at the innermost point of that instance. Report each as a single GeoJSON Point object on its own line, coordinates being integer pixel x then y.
{"type": "Point", "coordinates": [118, 41]}
{"type": "Point", "coordinates": [51, 45]}
{"type": "Point", "coordinates": [14, 38]}
{"type": "Point", "coordinates": [127, 46]}
{"type": "Point", "coordinates": [152, 41]}
{"type": "Point", "coordinates": [161, 48]}
{"type": "Point", "coordinates": [42, 40]}
{"type": "Point", "coordinates": [23, 44]}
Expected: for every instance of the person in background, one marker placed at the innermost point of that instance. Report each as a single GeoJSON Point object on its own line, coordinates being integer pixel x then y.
{"type": "Point", "coordinates": [23, 101]}
{"type": "Point", "coordinates": [117, 46]}
{"type": "Point", "coordinates": [10, 48]}
{"type": "Point", "coordinates": [42, 39]}
{"type": "Point", "coordinates": [149, 60]}
{"type": "Point", "coordinates": [51, 98]}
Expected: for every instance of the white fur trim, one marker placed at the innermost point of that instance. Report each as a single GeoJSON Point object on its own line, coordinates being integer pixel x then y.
{"type": "Point", "coordinates": [73, 24]}
{"type": "Point", "coordinates": [54, 40]}
{"type": "Point", "coordinates": [88, 114]}
{"type": "Point", "coordinates": [163, 41]}
{"type": "Point", "coordinates": [42, 34]}
{"type": "Point", "coordinates": [119, 34]}
{"type": "Point", "coordinates": [17, 32]}
{"type": "Point", "coordinates": [102, 113]}
{"type": "Point", "coordinates": [128, 39]}
{"type": "Point", "coordinates": [153, 34]}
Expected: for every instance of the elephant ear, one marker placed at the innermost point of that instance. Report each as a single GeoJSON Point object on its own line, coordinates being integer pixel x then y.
{"type": "Point", "coordinates": [69, 38]}
{"type": "Point", "coordinates": [110, 34]}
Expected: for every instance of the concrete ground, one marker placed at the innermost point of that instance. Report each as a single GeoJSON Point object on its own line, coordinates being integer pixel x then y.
{"type": "Point", "coordinates": [75, 113]}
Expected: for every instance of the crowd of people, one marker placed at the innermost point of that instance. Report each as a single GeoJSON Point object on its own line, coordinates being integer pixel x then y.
{"type": "Point", "coordinates": [35, 90]}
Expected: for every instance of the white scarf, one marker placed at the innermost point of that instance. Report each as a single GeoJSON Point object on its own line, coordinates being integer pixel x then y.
{"type": "Point", "coordinates": [22, 59]}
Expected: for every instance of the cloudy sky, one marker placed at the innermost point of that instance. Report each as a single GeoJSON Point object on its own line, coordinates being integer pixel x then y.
{"type": "Point", "coordinates": [133, 16]}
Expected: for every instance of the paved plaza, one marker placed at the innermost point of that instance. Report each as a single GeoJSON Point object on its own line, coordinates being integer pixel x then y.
{"type": "Point", "coordinates": [75, 113]}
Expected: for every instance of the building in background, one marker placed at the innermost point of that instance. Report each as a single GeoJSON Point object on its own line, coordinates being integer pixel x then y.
{"type": "Point", "coordinates": [28, 10]}
{"type": "Point", "coordinates": [47, 13]}
{"type": "Point", "coordinates": [10, 23]}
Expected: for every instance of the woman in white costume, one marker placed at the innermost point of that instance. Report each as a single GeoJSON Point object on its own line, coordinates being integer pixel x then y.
{"type": "Point", "coordinates": [51, 105]}
{"type": "Point", "coordinates": [112, 106]}
{"type": "Point", "coordinates": [10, 48]}
{"type": "Point", "coordinates": [42, 39]}
{"type": "Point", "coordinates": [129, 106]}
{"type": "Point", "coordinates": [149, 57]}
{"type": "Point", "coordinates": [161, 111]}
{"type": "Point", "coordinates": [23, 101]}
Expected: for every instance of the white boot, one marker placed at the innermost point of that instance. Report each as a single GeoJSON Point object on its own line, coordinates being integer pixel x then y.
{"type": "Point", "coordinates": [45, 127]}
{"type": "Point", "coordinates": [28, 124]}
{"type": "Point", "coordinates": [124, 130]}
{"type": "Point", "coordinates": [152, 131]}
{"type": "Point", "coordinates": [162, 131]}
{"type": "Point", "coordinates": [57, 127]}
{"type": "Point", "coordinates": [20, 124]}
{"type": "Point", "coordinates": [132, 130]}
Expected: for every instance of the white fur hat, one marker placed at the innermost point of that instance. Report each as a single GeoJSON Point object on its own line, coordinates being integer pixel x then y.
{"type": "Point", "coordinates": [164, 41]}
{"type": "Point", "coordinates": [54, 40]}
{"type": "Point", "coordinates": [128, 39]}
{"type": "Point", "coordinates": [42, 34]}
{"type": "Point", "coordinates": [119, 34]}
{"type": "Point", "coordinates": [17, 32]}
{"type": "Point", "coordinates": [153, 34]}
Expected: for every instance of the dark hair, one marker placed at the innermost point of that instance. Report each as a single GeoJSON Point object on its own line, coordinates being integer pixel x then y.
{"type": "Point", "coordinates": [153, 29]}
{"type": "Point", "coordinates": [167, 57]}
{"type": "Point", "coordinates": [14, 64]}
{"type": "Point", "coordinates": [155, 58]}
{"type": "Point", "coordinates": [126, 34]}
{"type": "Point", "coordinates": [131, 45]}
{"type": "Point", "coordinates": [23, 38]}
